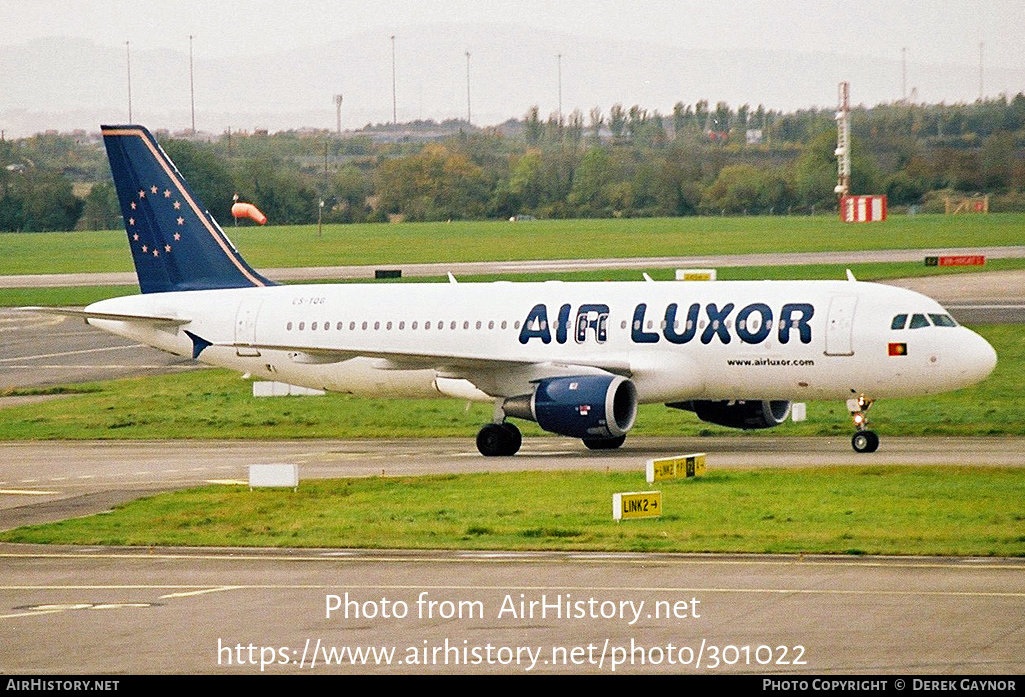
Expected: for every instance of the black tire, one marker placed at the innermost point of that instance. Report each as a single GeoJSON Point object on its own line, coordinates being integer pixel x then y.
{"type": "Point", "coordinates": [515, 438]}
{"type": "Point", "coordinates": [865, 442]}
{"type": "Point", "coordinates": [604, 443]}
{"type": "Point", "coordinates": [496, 440]}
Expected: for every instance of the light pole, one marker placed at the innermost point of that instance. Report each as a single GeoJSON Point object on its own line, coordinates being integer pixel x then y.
{"type": "Point", "coordinates": [468, 120]}
{"type": "Point", "coordinates": [128, 56]}
{"type": "Point", "coordinates": [192, 87]}
{"type": "Point", "coordinates": [394, 107]}
{"type": "Point", "coordinates": [904, 73]}
{"type": "Point", "coordinates": [559, 56]}
{"type": "Point", "coordinates": [980, 71]}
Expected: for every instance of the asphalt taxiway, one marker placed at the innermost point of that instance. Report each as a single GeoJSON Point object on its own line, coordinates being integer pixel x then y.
{"type": "Point", "coordinates": [88, 610]}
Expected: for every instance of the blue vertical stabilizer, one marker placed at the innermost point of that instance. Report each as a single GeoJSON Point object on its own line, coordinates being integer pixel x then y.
{"type": "Point", "coordinates": [176, 243]}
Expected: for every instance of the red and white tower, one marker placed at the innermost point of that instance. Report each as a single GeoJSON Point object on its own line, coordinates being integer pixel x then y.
{"type": "Point", "coordinates": [853, 209]}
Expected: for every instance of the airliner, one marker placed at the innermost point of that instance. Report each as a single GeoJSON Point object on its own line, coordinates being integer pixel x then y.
{"type": "Point", "coordinates": [576, 358]}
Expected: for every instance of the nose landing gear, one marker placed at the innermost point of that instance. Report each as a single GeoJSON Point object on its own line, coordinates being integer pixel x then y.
{"type": "Point", "coordinates": [864, 440]}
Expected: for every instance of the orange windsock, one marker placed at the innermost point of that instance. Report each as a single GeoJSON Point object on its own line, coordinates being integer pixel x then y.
{"type": "Point", "coordinates": [248, 210]}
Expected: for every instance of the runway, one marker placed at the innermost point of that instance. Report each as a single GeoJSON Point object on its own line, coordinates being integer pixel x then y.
{"type": "Point", "coordinates": [426, 613]}
{"type": "Point", "coordinates": [39, 350]}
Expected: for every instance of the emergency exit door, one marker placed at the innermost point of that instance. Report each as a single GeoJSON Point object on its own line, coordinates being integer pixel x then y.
{"type": "Point", "coordinates": [245, 327]}
{"type": "Point", "coordinates": [840, 326]}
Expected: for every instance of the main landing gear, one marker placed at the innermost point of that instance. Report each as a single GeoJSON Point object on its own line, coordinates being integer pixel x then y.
{"type": "Point", "coordinates": [504, 439]}
{"type": "Point", "coordinates": [604, 443]}
{"type": "Point", "coordinates": [864, 440]}
{"type": "Point", "coordinates": [499, 439]}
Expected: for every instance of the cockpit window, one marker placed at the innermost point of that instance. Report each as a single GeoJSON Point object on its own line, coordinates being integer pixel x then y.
{"type": "Point", "coordinates": [918, 321]}
{"type": "Point", "coordinates": [922, 320]}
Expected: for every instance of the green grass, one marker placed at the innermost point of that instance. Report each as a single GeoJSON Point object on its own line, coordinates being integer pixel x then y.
{"type": "Point", "coordinates": [61, 297]}
{"type": "Point", "coordinates": [833, 510]}
{"type": "Point", "coordinates": [296, 246]}
{"type": "Point", "coordinates": [209, 404]}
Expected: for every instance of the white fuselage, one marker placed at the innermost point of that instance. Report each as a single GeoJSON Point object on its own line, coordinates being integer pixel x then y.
{"type": "Point", "coordinates": [784, 340]}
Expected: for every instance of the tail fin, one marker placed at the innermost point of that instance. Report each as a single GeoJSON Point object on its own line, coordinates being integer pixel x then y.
{"type": "Point", "coordinates": [176, 243]}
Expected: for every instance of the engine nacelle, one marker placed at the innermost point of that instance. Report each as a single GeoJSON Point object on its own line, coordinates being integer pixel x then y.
{"type": "Point", "coordinates": [592, 407]}
{"type": "Point", "coordinates": [744, 414]}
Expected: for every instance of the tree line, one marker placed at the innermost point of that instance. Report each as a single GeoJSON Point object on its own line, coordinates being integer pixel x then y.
{"type": "Point", "coordinates": [625, 162]}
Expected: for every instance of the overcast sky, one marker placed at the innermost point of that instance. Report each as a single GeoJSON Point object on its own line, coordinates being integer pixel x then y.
{"type": "Point", "coordinates": [934, 32]}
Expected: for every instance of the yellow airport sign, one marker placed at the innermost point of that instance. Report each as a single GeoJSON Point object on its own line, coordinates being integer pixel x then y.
{"type": "Point", "coordinates": [678, 467]}
{"type": "Point", "coordinates": [637, 504]}
{"type": "Point", "coordinates": [695, 274]}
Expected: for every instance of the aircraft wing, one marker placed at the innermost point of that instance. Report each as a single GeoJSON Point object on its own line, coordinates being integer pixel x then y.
{"type": "Point", "coordinates": [462, 364]}
{"type": "Point", "coordinates": [166, 320]}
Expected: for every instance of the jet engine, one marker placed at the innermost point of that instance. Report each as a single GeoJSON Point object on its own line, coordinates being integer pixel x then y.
{"type": "Point", "coordinates": [746, 414]}
{"type": "Point", "coordinates": [591, 407]}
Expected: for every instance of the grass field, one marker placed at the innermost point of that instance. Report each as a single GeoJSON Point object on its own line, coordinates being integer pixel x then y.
{"type": "Point", "coordinates": [27, 253]}
{"type": "Point", "coordinates": [834, 510]}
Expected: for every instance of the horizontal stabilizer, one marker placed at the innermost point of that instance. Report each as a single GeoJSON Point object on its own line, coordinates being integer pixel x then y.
{"type": "Point", "coordinates": [116, 316]}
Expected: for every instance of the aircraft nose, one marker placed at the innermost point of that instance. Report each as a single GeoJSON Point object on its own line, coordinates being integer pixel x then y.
{"type": "Point", "coordinates": [978, 358]}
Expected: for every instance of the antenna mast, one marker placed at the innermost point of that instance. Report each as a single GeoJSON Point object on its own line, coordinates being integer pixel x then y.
{"type": "Point", "coordinates": [843, 141]}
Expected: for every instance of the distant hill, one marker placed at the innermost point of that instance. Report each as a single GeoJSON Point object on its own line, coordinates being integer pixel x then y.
{"type": "Point", "coordinates": [64, 84]}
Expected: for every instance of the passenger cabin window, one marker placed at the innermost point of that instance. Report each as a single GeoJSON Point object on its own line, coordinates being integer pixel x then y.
{"type": "Point", "coordinates": [899, 321]}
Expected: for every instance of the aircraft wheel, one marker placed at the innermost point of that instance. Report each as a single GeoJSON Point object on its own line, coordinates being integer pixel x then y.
{"type": "Point", "coordinates": [865, 442]}
{"type": "Point", "coordinates": [498, 439]}
{"type": "Point", "coordinates": [515, 438]}
{"type": "Point", "coordinates": [604, 443]}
